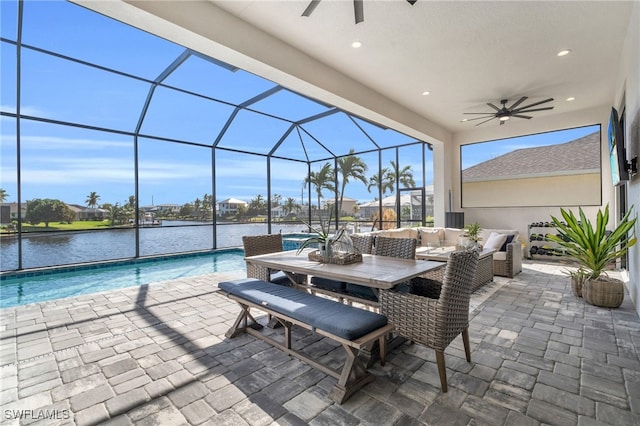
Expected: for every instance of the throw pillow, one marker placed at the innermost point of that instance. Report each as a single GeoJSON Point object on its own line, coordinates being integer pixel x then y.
{"type": "Point", "coordinates": [495, 241]}
{"type": "Point", "coordinates": [508, 241]}
{"type": "Point", "coordinates": [430, 236]}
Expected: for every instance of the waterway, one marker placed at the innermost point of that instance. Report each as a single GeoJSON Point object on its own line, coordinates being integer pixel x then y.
{"type": "Point", "coordinates": [64, 248]}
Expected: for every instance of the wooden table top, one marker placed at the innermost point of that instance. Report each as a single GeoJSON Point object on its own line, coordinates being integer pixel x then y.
{"type": "Point", "coordinates": [374, 271]}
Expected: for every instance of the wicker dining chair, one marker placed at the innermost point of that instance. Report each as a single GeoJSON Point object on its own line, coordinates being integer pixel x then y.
{"type": "Point", "coordinates": [403, 248]}
{"type": "Point", "coordinates": [435, 313]}
{"type": "Point", "coordinates": [255, 245]}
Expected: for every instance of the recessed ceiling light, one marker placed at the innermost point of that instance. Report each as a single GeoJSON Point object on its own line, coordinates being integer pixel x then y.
{"type": "Point", "coordinates": [571, 98]}
{"type": "Point", "coordinates": [425, 93]}
{"type": "Point", "coordinates": [356, 44]}
{"type": "Point", "coordinates": [564, 52]}
{"type": "Point", "coordinates": [464, 119]}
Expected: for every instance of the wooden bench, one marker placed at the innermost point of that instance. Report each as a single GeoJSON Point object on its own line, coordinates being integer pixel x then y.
{"type": "Point", "coordinates": [355, 329]}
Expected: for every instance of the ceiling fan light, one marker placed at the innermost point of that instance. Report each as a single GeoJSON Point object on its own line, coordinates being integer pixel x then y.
{"type": "Point", "coordinates": [504, 118]}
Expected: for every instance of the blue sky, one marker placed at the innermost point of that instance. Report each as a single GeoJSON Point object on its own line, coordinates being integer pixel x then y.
{"type": "Point", "coordinates": [68, 162]}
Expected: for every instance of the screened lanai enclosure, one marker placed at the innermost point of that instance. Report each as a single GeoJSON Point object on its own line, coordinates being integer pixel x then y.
{"type": "Point", "coordinates": [120, 144]}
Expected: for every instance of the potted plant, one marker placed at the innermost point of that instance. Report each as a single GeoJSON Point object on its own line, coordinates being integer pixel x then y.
{"type": "Point", "coordinates": [321, 238]}
{"type": "Point", "coordinates": [595, 249]}
{"type": "Point", "coordinates": [472, 233]}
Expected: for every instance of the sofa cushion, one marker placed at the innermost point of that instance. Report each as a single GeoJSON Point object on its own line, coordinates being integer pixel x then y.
{"type": "Point", "coordinates": [495, 241]}
{"type": "Point", "coordinates": [431, 236]}
{"type": "Point", "coordinates": [452, 236]}
{"type": "Point", "coordinates": [507, 241]}
{"type": "Point", "coordinates": [486, 232]}
{"type": "Point", "coordinates": [500, 255]}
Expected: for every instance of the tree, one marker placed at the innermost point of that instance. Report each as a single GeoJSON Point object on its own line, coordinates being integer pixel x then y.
{"type": "Point", "coordinates": [48, 210]}
{"type": "Point", "coordinates": [380, 181]}
{"type": "Point", "coordinates": [276, 199]}
{"type": "Point", "coordinates": [3, 195]}
{"type": "Point", "coordinates": [186, 210]}
{"type": "Point", "coordinates": [323, 179]}
{"type": "Point", "coordinates": [404, 176]}
{"type": "Point", "coordinates": [290, 205]}
{"type": "Point", "coordinates": [350, 166]}
{"type": "Point", "coordinates": [388, 219]}
{"type": "Point", "coordinates": [132, 201]}
{"type": "Point", "coordinates": [92, 200]}
{"type": "Point", "coordinates": [257, 205]}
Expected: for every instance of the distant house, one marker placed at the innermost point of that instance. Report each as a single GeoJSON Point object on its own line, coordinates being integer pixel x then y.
{"type": "Point", "coordinates": [561, 174]}
{"type": "Point", "coordinates": [10, 212]}
{"type": "Point", "coordinates": [348, 204]}
{"type": "Point", "coordinates": [86, 213]}
{"type": "Point", "coordinates": [407, 199]}
{"type": "Point", "coordinates": [230, 206]}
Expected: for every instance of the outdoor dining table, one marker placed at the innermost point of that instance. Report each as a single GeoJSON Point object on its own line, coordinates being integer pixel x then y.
{"type": "Point", "coordinates": [377, 272]}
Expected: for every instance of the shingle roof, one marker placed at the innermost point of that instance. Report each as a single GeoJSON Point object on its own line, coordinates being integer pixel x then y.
{"type": "Point", "coordinates": [577, 156]}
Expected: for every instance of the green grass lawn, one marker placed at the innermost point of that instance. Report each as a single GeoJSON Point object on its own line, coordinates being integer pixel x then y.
{"type": "Point", "coordinates": [75, 226]}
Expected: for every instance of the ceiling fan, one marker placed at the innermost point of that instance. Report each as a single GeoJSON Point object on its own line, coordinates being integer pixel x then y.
{"type": "Point", "coordinates": [505, 113]}
{"type": "Point", "coordinates": [358, 8]}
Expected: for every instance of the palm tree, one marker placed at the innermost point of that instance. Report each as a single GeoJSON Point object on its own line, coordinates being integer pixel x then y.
{"type": "Point", "coordinates": [350, 166]}
{"type": "Point", "coordinates": [92, 199]}
{"type": "Point", "coordinates": [290, 205]}
{"type": "Point", "coordinates": [132, 201]}
{"type": "Point", "coordinates": [3, 195]}
{"type": "Point", "coordinates": [404, 176]}
{"type": "Point", "coordinates": [323, 179]}
{"type": "Point", "coordinates": [381, 181]}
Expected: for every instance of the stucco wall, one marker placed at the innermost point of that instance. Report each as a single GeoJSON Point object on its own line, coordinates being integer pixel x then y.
{"type": "Point", "coordinates": [540, 191]}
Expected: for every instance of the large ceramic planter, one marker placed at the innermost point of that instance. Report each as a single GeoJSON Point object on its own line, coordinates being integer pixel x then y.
{"type": "Point", "coordinates": [605, 292]}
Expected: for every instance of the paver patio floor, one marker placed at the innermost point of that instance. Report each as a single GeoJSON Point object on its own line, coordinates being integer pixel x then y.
{"type": "Point", "coordinates": [157, 355]}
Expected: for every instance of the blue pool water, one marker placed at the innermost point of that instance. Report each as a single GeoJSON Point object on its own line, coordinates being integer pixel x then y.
{"type": "Point", "coordinates": [49, 285]}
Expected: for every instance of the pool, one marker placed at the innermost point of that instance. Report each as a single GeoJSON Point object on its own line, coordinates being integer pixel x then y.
{"type": "Point", "coordinates": [41, 286]}
{"type": "Point", "coordinates": [294, 241]}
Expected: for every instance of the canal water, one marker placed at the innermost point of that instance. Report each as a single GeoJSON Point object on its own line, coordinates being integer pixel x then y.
{"type": "Point", "coordinates": [64, 248]}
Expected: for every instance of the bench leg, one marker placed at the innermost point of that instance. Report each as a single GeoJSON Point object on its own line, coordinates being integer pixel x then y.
{"type": "Point", "coordinates": [241, 323]}
{"type": "Point", "coordinates": [354, 376]}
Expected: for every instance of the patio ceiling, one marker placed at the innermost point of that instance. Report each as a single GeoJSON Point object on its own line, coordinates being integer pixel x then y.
{"type": "Point", "coordinates": [466, 53]}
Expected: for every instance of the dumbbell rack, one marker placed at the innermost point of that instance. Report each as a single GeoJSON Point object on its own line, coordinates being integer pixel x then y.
{"type": "Point", "coordinates": [539, 245]}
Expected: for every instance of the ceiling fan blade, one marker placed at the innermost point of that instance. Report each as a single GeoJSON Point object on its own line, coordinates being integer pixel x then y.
{"type": "Point", "coordinates": [522, 116]}
{"type": "Point", "coordinates": [532, 105]}
{"type": "Point", "coordinates": [493, 106]}
{"type": "Point", "coordinates": [532, 110]}
{"type": "Point", "coordinates": [480, 118]}
{"type": "Point", "coordinates": [492, 118]}
{"type": "Point", "coordinates": [358, 9]}
{"type": "Point", "coordinates": [312, 6]}
{"type": "Point", "coordinates": [518, 102]}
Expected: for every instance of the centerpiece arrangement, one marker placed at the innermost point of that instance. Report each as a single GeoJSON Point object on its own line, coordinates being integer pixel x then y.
{"type": "Point", "coordinates": [471, 235]}
{"type": "Point", "coordinates": [338, 248]}
{"type": "Point", "coordinates": [595, 248]}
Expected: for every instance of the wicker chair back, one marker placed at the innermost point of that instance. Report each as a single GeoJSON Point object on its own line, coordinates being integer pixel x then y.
{"type": "Point", "coordinates": [363, 243]}
{"type": "Point", "coordinates": [255, 245]}
{"type": "Point", "coordinates": [404, 248]}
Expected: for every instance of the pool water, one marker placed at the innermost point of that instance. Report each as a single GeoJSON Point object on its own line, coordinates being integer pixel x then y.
{"type": "Point", "coordinates": [28, 288]}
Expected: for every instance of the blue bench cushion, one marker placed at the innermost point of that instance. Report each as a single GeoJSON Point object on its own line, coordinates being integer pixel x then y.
{"type": "Point", "coordinates": [280, 278]}
{"type": "Point", "coordinates": [329, 284]}
{"type": "Point", "coordinates": [361, 291]}
{"type": "Point", "coordinates": [333, 317]}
